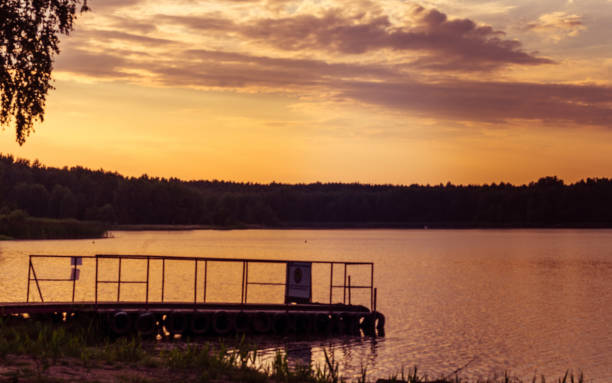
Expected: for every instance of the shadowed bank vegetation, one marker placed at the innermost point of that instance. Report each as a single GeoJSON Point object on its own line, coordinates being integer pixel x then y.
{"type": "Point", "coordinates": [78, 350]}
{"type": "Point", "coordinates": [18, 225]}
{"type": "Point", "coordinates": [85, 194]}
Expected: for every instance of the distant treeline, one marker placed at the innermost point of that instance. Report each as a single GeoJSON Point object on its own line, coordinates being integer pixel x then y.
{"type": "Point", "coordinates": [96, 195]}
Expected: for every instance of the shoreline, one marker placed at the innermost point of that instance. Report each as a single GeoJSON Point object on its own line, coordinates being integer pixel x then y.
{"type": "Point", "coordinates": [33, 351]}
{"type": "Point", "coordinates": [352, 226]}
{"type": "Point", "coordinates": [66, 235]}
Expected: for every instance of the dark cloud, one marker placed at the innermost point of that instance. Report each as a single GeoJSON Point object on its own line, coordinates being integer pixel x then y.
{"type": "Point", "coordinates": [452, 40]}
{"type": "Point", "coordinates": [133, 25]}
{"type": "Point", "coordinates": [378, 85]}
{"type": "Point", "coordinates": [447, 44]}
{"type": "Point", "coordinates": [107, 5]}
{"type": "Point", "coordinates": [490, 102]}
{"type": "Point", "coordinates": [458, 45]}
{"type": "Point", "coordinates": [200, 23]}
{"type": "Point", "coordinates": [227, 69]}
{"type": "Point", "coordinates": [91, 64]}
{"type": "Point", "coordinates": [108, 35]}
{"type": "Point", "coordinates": [371, 84]}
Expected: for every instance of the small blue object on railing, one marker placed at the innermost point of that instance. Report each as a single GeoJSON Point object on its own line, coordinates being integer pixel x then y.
{"type": "Point", "coordinates": [76, 261]}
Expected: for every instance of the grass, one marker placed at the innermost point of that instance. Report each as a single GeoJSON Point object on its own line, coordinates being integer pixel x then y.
{"type": "Point", "coordinates": [34, 348]}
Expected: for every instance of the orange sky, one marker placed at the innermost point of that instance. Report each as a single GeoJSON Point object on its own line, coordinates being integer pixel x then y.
{"type": "Point", "coordinates": [333, 90]}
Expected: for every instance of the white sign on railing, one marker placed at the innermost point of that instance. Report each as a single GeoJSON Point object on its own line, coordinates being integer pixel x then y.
{"type": "Point", "coordinates": [299, 282]}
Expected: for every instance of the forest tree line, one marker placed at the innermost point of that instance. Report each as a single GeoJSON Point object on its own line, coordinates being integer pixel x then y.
{"type": "Point", "coordinates": [97, 195]}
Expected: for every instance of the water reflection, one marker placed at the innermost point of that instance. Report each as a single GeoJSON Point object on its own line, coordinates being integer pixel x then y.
{"type": "Point", "coordinates": [520, 300]}
{"type": "Point", "coordinates": [349, 354]}
{"type": "Point", "coordinates": [299, 355]}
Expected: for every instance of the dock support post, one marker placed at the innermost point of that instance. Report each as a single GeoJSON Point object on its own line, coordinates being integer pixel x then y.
{"type": "Point", "coordinates": [375, 295]}
{"type": "Point", "coordinates": [349, 289]}
{"type": "Point", "coordinates": [371, 286]}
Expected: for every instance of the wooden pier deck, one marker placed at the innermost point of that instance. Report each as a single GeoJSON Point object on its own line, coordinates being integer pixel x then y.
{"type": "Point", "coordinates": [16, 308]}
{"type": "Point", "coordinates": [297, 315]}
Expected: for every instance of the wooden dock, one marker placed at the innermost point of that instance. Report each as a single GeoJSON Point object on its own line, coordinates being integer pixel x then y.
{"type": "Point", "coordinates": [297, 315]}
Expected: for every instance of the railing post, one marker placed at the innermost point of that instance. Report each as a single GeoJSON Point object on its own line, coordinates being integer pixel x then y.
{"type": "Point", "coordinates": [205, 277]}
{"type": "Point", "coordinates": [344, 286]}
{"type": "Point", "coordinates": [163, 278]}
{"type": "Point", "coordinates": [147, 293]}
{"type": "Point", "coordinates": [37, 285]}
{"type": "Point", "coordinates": [331, 281]}
{"type": "Point", "coordinates": [96, 288]}
{"type": "Point", "coordinates": [29, 279]}
{"type": "Point", "coordinates": [195, 283]}
{"type": "Point", "coordinates": [243, 272]}
{"type": "Point", "coordinates": [119, 281]}
{"type": "Point", "coordinates": [74, 271]}
{"type": "Point", "coordinates": [246, 284]}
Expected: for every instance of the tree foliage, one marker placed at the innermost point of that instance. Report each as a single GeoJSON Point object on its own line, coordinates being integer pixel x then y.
{"type": "Point", "coordinates": [104, 196]}
{"type": "Point", "coordinates": [29, 39]}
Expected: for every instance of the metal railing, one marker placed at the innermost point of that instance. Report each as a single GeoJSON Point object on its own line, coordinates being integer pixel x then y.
{"type": "Point", "coordinates": [32, 272]}
{"type": "Point", "coordinates": [346, 286]}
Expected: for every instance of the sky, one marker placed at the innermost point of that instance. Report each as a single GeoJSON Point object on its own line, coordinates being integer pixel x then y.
{"type": "Point", "coordinates": [389, 91]}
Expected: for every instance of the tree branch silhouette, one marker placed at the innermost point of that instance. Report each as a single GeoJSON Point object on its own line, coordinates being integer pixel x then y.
{"type": "Point", "coordinates": [29, 40]}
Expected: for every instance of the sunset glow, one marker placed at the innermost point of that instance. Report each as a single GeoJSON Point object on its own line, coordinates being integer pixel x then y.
{"type": "Point", "coordinates": [333, 91]}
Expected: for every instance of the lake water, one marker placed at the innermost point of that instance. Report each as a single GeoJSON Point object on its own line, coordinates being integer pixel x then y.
{"type": "Point", "coordinates": [525, 301]}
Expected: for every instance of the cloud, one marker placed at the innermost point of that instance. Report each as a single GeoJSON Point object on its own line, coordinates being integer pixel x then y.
{"type": "Point", "coordinates": [108, 5]}
{"type": "Point", "coordinates": [460, 44]}
{"type": "Point", "coordinates": [100, 65]}
{"type": "Point", "coordinates": [491, 101]}
{"type": "Point", "coordinates": [358, 57]}
{"type": "Point", "coordinates": [210, 22]}
{"type": "Point", "coordinates": [372, 84]}
{"type": "Point", "coordinates": [102, 35]}
{"type": "Point", "coordinates": [558, 25]}
{"type": "Point", "coordinates": [208, 68]}
{"type": "Point", "coordinates": [132, 25]}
